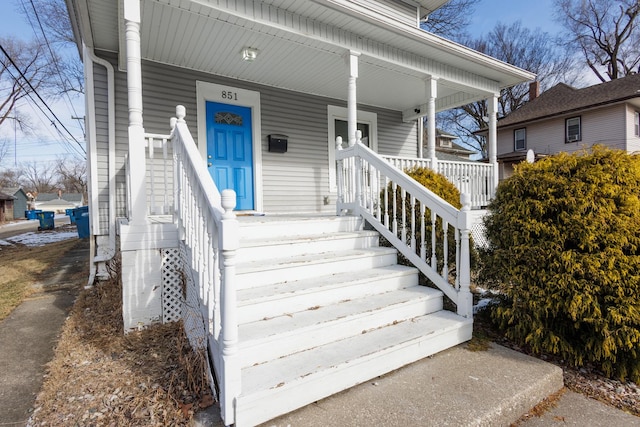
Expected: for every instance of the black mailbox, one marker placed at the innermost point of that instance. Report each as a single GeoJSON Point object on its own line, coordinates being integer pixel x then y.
{"type": "Point", "coordinates": [278, 143]}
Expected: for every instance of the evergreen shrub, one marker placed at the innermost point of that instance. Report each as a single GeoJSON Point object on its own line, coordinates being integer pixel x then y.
{"type": "Point", "coordinates": [443, 188]}
{"type": "Point", "coordinates": [564, 250]}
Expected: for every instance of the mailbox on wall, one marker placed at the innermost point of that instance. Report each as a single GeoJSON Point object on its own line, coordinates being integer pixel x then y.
{"type": "Point", "coordinates": [278, 143]}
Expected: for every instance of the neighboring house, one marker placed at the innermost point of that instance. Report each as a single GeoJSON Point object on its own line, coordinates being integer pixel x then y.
{"type": "Point", "coordinates": [269, 88]}
{"type": "Point", "coordinates": [447, 149]}
{"type": "Point", "coordinates": [56, 205]}
{"type": "Point", "coordinates": [20, 202]}
{"type": "Point", "coordinates": [567, 119]}
{"type": "Point", "coordinates": [59, 199]}
{"type": "Point", "coordinates": [6, 207]}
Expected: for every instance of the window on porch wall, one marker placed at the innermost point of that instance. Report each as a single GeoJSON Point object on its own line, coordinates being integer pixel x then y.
{"type": "Point", "coordinates": [341, 129]}
{"type": "Point", "coordinates": [338, 126]}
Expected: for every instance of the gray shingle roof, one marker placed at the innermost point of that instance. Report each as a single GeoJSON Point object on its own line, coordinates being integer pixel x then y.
{"type": "Point", "coordinates": [70, 197]}
{"type": "Point", "coordinates": [563, 98]}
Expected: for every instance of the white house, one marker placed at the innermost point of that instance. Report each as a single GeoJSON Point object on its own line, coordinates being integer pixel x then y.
{"type": "Point", "coordinates": [300, 108]}
{"type": "Point", "coordinates": [567, 119]}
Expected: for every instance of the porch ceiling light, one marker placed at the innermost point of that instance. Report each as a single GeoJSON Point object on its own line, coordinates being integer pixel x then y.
{"type": "Point", "coordinates": [249, 54]}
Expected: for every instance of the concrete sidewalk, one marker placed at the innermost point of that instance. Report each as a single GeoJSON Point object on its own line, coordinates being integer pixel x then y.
{"type": "Point", "coordinates": [29, 334]}
{"type": "Point", "coordinates": [459, 387]}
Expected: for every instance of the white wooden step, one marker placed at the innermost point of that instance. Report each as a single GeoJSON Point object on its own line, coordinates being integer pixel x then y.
{"type": "Point", "coordinates": [287, 246]}
{"type": "Point", "coordinates": [277, 226]}
{"type": "Point", "coordinates": [291, 382]}
{"type": "Point", "coordinates": [268, 339]}
{"type": "Point", "coordinates": [289, 297]}
{"type": "Point", "coordinates": [259, 273]}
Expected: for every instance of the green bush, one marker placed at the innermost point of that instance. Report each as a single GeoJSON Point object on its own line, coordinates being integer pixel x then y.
{"type": "Point", "coordinates": [564, 250]}
{"type": "Point", "coordinates": [442, 187]}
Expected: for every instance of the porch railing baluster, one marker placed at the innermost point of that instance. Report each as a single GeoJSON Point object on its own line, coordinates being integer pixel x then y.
{"type": "Point", "coordinates": [449, 272]}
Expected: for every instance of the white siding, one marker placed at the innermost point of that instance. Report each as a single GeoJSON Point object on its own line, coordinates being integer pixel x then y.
{"type": "Point", "coordinates": [393, 9]}
{"type": "Point", "coordinates": [605, 126]}
{"type": "Point", "coordinates": [295, 181]}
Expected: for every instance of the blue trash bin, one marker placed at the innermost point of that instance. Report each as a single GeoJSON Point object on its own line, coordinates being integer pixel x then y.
{"type": "Point", "coordinates": [81, 216]}
{"type": "Point", "coordinates": [32, 214]}
{"type": "Point", "coordinates": [46, 220]}
{"type": "Point", "coordinates": [70, 214]}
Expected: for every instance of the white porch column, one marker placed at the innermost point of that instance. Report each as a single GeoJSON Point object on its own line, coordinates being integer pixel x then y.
{"type": "Point", "coordinates": [432, 94]}
{"type": "Point", "coordinates": [137, 173]}
{"type": "Point", "coordinates": [352, 105]}
{"type": "Point", "coordinates": [493, 139]}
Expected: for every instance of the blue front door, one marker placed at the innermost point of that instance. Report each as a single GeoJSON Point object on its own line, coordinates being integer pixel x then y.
{"type": "Point", "coordinates": [230, 150]}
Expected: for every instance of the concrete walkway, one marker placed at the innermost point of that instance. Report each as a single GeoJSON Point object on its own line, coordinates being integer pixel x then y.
{"type": "Point", "coordinates": [28, 336]}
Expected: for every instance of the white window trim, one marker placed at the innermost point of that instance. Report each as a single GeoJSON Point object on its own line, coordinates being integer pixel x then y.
{"type": "Point", "coordinates": [566, 129]}
{"type": "Point", "coordinates": [206, 91]}
{"type": "Point", "coordinates": [515, 141]}
{"type": "Point", "coordinates": [636, 123]}
{"type": "Point", "coordinates": [340, 113]}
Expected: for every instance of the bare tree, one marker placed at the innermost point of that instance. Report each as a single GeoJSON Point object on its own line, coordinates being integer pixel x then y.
{"type": "Point", "coordinates": [9, 178]}
{"type": "Point", "coordinates": [52, 27]}
{"type": "Point", "coordinates": [451, 20]}
{"type": "Point", "coordinates": [605, 32]}
{"type": "Point", "coordinates": [72, 175]}
{"type": "Point", "coordinates": [23, 69]}
{"type": "Point", "coordinates": [4, 148]}
{"type": "Point", "coordinates": [534, 51]}
{"type": "Point", "coordinates": [39, 177]}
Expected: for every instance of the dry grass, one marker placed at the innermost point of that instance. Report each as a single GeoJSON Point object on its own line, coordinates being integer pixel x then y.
{"type": "Point", "coordinates": [21, 269]}
{"type": "Point", "coordinates": [101, 377]}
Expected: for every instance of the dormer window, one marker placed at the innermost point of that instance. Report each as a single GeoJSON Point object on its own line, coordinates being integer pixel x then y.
{"type": "Point", "coordinates": [445, 143]}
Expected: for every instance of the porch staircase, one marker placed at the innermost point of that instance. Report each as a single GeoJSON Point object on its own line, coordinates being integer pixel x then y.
{"type": "Point", "coordinates": [322, 308]}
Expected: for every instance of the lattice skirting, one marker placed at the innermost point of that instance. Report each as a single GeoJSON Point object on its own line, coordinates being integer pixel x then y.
{"type": "Point", "coordinates": [172, 286]}
{"type": "Point", "coordinates": [192, 315]}
{"type": "Point", "coordinates": [479, 235]}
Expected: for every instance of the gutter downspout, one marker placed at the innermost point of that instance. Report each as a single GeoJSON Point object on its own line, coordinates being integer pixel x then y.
{"type": "Point", "coordinates": [90, 58]}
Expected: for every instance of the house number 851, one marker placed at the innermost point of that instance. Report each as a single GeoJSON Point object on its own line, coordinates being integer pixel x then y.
{"type": "Point", "coordinates": [229, 95]}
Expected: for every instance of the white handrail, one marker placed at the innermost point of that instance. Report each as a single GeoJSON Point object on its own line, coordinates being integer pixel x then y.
{"type": "Point", "coordinates": [431, 233]}
{"type": "Point", "coordinates": [209, 231]}
{"type": "Point", "coordinates": [474, 178]}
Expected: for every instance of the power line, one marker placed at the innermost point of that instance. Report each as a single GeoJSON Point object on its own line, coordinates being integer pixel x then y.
{"type": "Point", "coordinates": [53, 57]}
{"type": "Point", "coordinates": [39, 97]}
{"type": "Point", "coordinates": [63, 138]}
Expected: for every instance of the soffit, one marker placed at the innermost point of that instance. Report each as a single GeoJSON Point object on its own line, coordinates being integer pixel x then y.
{"type": "Point", "coordinates": [194, 35]}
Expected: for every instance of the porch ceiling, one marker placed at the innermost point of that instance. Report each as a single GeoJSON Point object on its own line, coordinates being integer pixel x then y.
{"type": "Point", "coordinates": [301, 47]}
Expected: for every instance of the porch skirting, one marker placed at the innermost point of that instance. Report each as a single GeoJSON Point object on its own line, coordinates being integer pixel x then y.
{"type": "Point", "coordinates": [151, 277]}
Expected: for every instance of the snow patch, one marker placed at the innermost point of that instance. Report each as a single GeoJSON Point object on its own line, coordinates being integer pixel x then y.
{"type": "Point", "coordinates": [42, 238]}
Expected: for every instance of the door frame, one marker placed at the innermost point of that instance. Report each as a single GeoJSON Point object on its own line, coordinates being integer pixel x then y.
{"type": "Point", "coordinates": [231, 95]}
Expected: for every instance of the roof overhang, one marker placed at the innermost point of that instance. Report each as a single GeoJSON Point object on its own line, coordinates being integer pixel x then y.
{"type": "Point", "coordinates": [301, 47]}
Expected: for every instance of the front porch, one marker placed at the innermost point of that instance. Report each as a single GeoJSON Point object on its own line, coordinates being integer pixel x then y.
{"type": "Point", "coordinates": [293, 308]}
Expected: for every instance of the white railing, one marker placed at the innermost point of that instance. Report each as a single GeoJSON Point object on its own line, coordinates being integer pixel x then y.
{"type": "Point", "coordinates": [159, 166]}
{"type": "Point", "coordinates": [431, 233]}
{"type": "Point", "coordinates": [473, 178]}
{"type": "Point", "coordinates": [209, 232]}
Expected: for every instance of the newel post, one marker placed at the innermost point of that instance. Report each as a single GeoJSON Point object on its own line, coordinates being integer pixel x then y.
{"type": "Point", "coordinates": [339, 178]}
{"type": "Point", "coordinates": [357, 169]}
{"type": "Point", "coordinates": [465, 300]}
{"type": "Point", "coordinates": [229, 243]}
